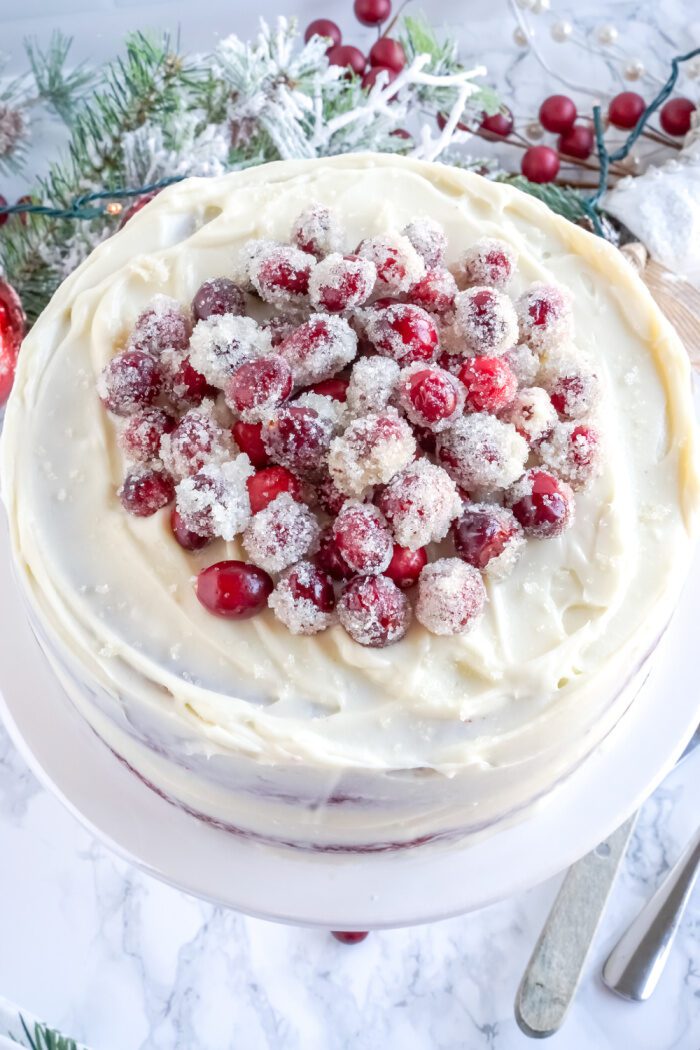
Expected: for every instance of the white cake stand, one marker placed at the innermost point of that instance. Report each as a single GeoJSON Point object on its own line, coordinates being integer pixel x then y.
{"type": "Point", "coordinates": [346, 892]}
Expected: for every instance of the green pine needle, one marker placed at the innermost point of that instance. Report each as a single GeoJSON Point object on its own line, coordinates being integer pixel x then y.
{"type": "Point", "coordinates": [563, 200]}
{"type": "Point", "coordinates": [58, 89]}
{"type": "Point", "coordinates": [45, 1038]}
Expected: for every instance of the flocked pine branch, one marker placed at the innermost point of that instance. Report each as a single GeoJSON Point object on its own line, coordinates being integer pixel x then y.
{"type": "Point", "coordinates": [60, 89]}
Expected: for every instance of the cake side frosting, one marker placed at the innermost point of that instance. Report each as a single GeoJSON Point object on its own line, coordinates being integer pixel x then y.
{"type": "Point", "coordinates": [536, 680]}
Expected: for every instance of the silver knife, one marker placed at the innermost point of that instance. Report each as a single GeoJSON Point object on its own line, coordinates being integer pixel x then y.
{"type": "Point", "coordinates": [554, 970]}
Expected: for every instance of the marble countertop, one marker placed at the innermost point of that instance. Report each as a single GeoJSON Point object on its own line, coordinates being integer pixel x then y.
{"type": "Point", "coordinates": [120, 961]}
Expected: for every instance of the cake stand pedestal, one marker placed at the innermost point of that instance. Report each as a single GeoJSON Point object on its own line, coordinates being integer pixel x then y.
{"type": "Point", "coordinates": [367, 891]}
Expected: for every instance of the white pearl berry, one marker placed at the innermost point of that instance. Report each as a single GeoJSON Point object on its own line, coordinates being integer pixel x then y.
{"type": "Point", "coordinates": [561, 31]}
{"type": "Point", "coordinates": [634, 70]}
{"type": "Point", "coordinates": [606, 35]}
{"type": "Point", "coordinates": [540, 6]}
{"type": "Point", "coordinates": [521, 38]}
{"type": "Point", "coordinates": [534, 130]}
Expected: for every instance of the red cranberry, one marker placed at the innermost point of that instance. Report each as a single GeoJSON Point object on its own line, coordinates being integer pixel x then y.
{"type": "Point", "coordinates": [297, 438]}
{"type": "Point", "coordinates": [140, 439]}
{"type": "Point", "coordinates": [337, 389]}
{"type": "Point", "coordinates": [129, 212]}
{"type": "Point", "coordinates": [405, 333]}
{"type": "Point", "coordinates": [401, 133]}
{"type": "Point", "coordinates": [557, 113]}
{"type": "Point", "coordinates": [499, 124]}
{"type": "Point", "coordinates": [234, 589]}
{"type": "Point", "coordinates": [436, 291]}
{"type": "Point", "coordinates": [260, 384]}
{"type": "Point", "coordinates": [281, 271]}
{"type": "Point", "coordinates": [577, 142]}
{"type": "Point", "coordinates": [191, 541]}
{"type": "Point", "coordinates": [330, 559]}
{"type": "Point", "coordinates": [625, 109]}
{"type": "Point", "coordinates": [542, 503]}
{"type": "Point", "coordinates": [389, 53]}
{"type": "Point", "coordinates": [188, 387]}
{"type": "Point", "coordinates": [160, 327]}
{"type": "Point", "coordinates": [374, 611]}
{"type": "Point", "coordinates": [372, 12]}
{"type": "Point", "coordinates": [191, 444]}
{"type": "Point", "coordinates": [312, 585]}
{"type": "Point", "coordinates": [132, 380]}
{"type": "Point", "coordinates": [483, 533]}
{"type": "Point", "coordinates": [323, 27]}
{"type": "Point", "coordinates": [145, 491]}
{"type": "Point", "coordinates": [426, 439]}
{"type": "Point", "coordinates": [346, 55]}
{"type": "Point", "coordinates": [489, 382]}
{"type": "Point", "coordinates": [405, 566]}
{"type": "Point", "coordinates": [540, 164]}
{"type": "Point", "coordinates": [248, 437]}
{"type": "Point", "coordinates": [216, 297]}
{"type": "Point", "coordinates": [267, 484]}
{"type": "Point", "coordinates": [431, 396]}
{"type": "Point", "coordinates": [342, 283]}
{"type": "Point", "coordinates": [349, 937]}
{"type": "Point", "coordinates": [675, 116]}
{"type": "Point", "coordinates": [329, 496]}
{"type": "Point", "coordinates": [362, 538]}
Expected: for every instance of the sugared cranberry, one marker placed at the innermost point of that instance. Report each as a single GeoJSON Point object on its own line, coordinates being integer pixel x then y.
{"type": "Point", "coordinates": [323, 27]}
{"type": "Point", "coordinates": [544, 316]}
{"type": "Point", "coordinates": [540, 164]}
{"type": "Point", "coordinates": [484, 532]}
{"type": "Point", "coordinates": [625, 109]}
{"type": "Point", "coordinates": [362, 538]}
{"type": "Point", "coordinates": [330, 559]}
{"type": "Point", "coordinates": [337, 389]}
{"type": "Point", "coordinates": [140, 438]}
{"type": "Point", "coordinates": [557, 113]}
{"type": "Point", "coordinates": [675, 116]}
{"type": "Point", "coordinates": [572, 451]}
{"type": "Point", "coordinates": [451, 597]}
{"type": "Point", "coordinates": [191, 541]}
{"type": "Point", "coordinates": [349, 937]}
{"type": "Point", "coordinates": [194, 442]}
{"type": "Point", "coordinates": [429, 239]}
{"type": "Point", "coordinates": [486, 321]}
{"type": "Point", "coordinates": [132, 380]}
{"type": "Point", "coordinates": [396, 261]}
{"type": "Point", "coordinates": [405, 566]}
{"type": "Point", "coordinates": [388, 52]}
{"type": "Point", "coordinates": [489, 383]}
{"type": "Point", "coordinates": [329, 495]}
{"type": "Point", "coordinates": [248, 437]}
{"type": "Point", "coordinates": [370, 451]}
{"type": "Point", "coordinates": [318, 231]}
{"type": "Point", "coordinates": [430, 396]}
{"type": "Point", "coordinates": [297, 438]}
{"type": "Point", "coordinates": [419, 503]}
{"type": "Point", "coordinates": [489, 262]}
{"type": "Point", "coordinates": [319, 348]}
{"type": "Point", "coordinates": [404, 332]}
{"type": "Point", "coordinates": [341, 282]}
{"type": "Point", "coordinates": [267, 484]}
{"type": "Point", "coordinates": [426, 439]}
{"type": "Point", "coordinates": [374, 611]}
{"type": "Point", "coordinates": [347, 56]}
{"type": "Point", "coordinates": [282, 274]}
{"type": "Point", "coordinates": [577, 142]}
{"type": "Point", "coordinates": [436, 291]}
{"type": "Point", "coordinates": [313, 586]}
{"type": "Point", "coordinates": [218, 296]}
{"type": "Point", "coordinates": [542, 503]}
{"type": "Point", "coordinates": [499, 124]}
{"type": "Point", "coordinates": [259, 385]}
{"type": "Point", "coordinates": [304, 599]}
{"type": "Point", "coordinates": [161, 326]}
{"type": "Point", "coordinates": [188, 387]}
{"type": "Point", "coordinates": [233, 589]}
{"type": "Point", "coordinates": [145, 491]}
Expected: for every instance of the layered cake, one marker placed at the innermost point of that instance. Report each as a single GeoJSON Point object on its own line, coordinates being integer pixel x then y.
{"type": "Point", "coordinates": [350, 497]}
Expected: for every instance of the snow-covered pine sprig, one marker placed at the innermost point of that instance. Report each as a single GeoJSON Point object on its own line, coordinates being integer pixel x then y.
{"type": "Point", "coordinates": [154, 114]}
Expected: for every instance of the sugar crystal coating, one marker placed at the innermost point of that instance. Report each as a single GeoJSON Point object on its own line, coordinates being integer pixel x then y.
{"type": "Point", "coordinates": [163, 325]}
{"type": "Point", "coordinates": [373, 611]}
{"type": "Point", "coordinates": [532, 414]}
{"type": "Point", "coordinates": [403, 332]}
{"type": "Point", "coordinates": [486, 320]}
{"type": "Point", "coordinates": [370, 451]}
{"type": "Point", "coordinates": [327, 408]}
{"type": "Point", "coordinates": [196, 440]}
{"type": "Point", "coordinates": [281, 534]}
{"type": "Point", "coordinates": [318, 230]}
{"type": "Point", "coordinates": [451, 597]}
{"type": "Point", "coordinates": [397, 262]}
{"type": "Point", "coordinates": [543, 504]}
{"type": "Point", "coordinates": [436, 291]}
{"type": "Point", "coordinates": [489, 537]}
{"type": "Point", "coordinates": [489, 262]}
{"type": "Point", "coordinates": [131, 381]}
{"type": "Point", "coordinates": [214, 501]}
{"type": "Point", "coordinates": [570, 381]}
{"type": "Point", "coordinates": [183, 386]}
{"type": "Point", "coordinates": [544, 316]}
{"type": "Point", "coordinates": [340, 283]}
{"type": "Point", "coordinates": [572, 451]}
{"type": "Point", "coordinates": [482, 453]}
{"type": "Point", "coordinates": [146, 490]}
{"type": "Point", "coordinates": [429, 239]}
{"type": "Point", "coordinates": [280, 275]}
{"type": "Point", "coordinates": [220, 344]}
{"type": "Point", "coordinates": [140, 439]}
{"type": "Point", "coordinates": [523, 363]}
{"type": "Point", "coordinates": [218, 296]}
{"type": "Point", "coordinates": [420, 503]}
{"type": "Point", "coordinates": [319, 348]}
{"type": "Point", "coordinates": [373, 381]}
{"type": "Point", "coordinates": [297, 437]}
{"type": "Point", "coordinates": [362, 537]}
{"type": "Point", "coordinates": [246, 257]}
{"type": "Point", "coordinates": [430, 396]}
{"type": "Point", "coordinates": [303, 599]}
{"type": "Point", "coordinates": [257, 386]}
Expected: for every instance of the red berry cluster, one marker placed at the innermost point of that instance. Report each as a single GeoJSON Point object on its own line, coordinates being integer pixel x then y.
{"type": "Point", "coordinates": [386, 55]}
{"type": "Point", "coordinates": [343, 412]}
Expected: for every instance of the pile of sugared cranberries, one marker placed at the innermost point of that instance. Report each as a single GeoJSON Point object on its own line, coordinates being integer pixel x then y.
{"type": "Point", "coordinates": [377, 424]}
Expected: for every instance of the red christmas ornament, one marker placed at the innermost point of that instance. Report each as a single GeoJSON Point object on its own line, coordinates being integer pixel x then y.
{"type": "Point", "coordinates": [323, 27]}
{"type": "Point", "coordinates": [389, 53]}
{"type": "Point", "coordinates": [577, 142]}
{"type": "Point", "coordinates": [350, 937]}
{"type": "Point", "coordinates": [675, 116]}
{"type": "Point", "coordinates": [372, 12]}
{"type": "Point", "coordinates": [557, 113]}
{"type": "Point", "coordinates": [540, 164]}
{"type": "Point", "coordinates": [13, 327]}
{"type": "Point", "coordinates": [499, 124]}
{"type": "Point", "coordinates": [625, 109]}
{"type": "Point", "coordinates": [347, 55]}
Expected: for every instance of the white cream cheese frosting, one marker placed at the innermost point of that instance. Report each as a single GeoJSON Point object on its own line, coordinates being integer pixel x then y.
{"type": "Point", "coordinates": [503, 711]}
